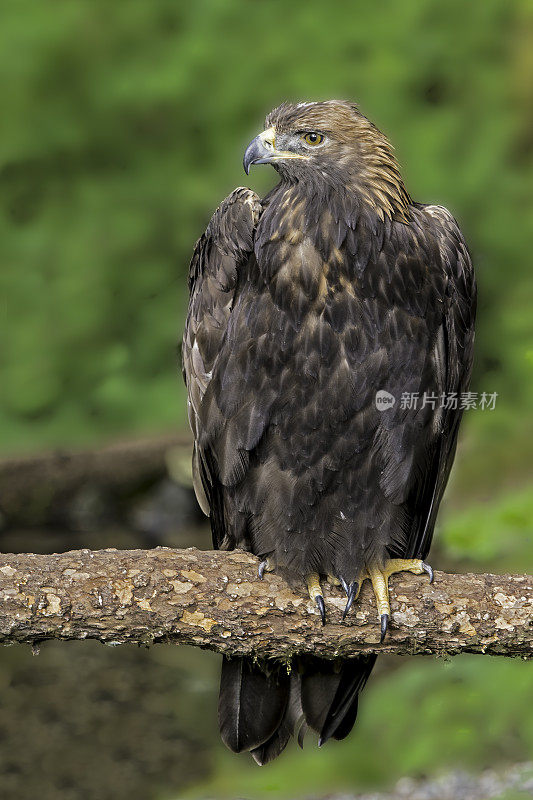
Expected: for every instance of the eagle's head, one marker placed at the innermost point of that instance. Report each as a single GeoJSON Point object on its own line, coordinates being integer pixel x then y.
{"type": "Point", "coordinates": [330, 144]}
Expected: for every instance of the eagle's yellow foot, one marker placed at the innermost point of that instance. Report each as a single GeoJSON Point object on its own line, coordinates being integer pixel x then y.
{"type": "Point", "coordinates": [315, 593]}
{"type": "Point", "coordinates": [380, 583]}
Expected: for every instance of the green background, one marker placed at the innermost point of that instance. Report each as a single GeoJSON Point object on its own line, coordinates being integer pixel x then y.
{"type": "Point", "coordinates": [123, 125]}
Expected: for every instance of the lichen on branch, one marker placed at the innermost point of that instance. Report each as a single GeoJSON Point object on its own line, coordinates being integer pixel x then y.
{"type": "Point", "coordinates": [215, 600]}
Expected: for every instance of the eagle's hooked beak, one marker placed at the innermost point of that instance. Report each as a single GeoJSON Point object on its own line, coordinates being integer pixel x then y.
{"type": "Point", "coordinates": [262, 150]}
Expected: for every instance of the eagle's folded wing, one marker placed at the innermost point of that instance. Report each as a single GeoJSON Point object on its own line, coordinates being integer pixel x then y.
{"type": "Point", "coordinates": [219, 254]}
{"type": "Point", "coordinates": [446, 376]}
{"type": "Point", "coordinates": [452, 360]}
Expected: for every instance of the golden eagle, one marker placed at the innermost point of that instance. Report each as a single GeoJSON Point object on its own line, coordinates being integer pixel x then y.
{"type": "Point", "coordinates": [303, 306]}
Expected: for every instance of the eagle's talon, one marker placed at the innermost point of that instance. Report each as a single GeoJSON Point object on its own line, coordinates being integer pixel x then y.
{"type": "Point", "coordinates": [429, 571]}
{"type": "Point", "coordinates": [384, 626]}
{"type": "Point", "coordinates": [321, 607]}
{"type": "Point", "coordinates": [315, 593]}
{"type": "Point", "coordinates": [351, 592]}
{"type": "Point", "coordinates": [264, 566]}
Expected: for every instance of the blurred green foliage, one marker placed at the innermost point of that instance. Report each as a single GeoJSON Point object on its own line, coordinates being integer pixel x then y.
{"type": "Point", "coordinates": [123, 126]}
{"type": "Point", "coordinates": [415, 721]}
{"type": "Point", "coordinates": [494, 535]}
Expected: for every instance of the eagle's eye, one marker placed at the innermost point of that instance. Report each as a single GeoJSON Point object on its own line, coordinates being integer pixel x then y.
{"type": "Point", "coordinates": [313, 138]}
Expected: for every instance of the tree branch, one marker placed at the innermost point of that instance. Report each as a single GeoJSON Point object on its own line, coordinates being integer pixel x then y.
{"type": "Point", "coordinates": [215, 600]}
{"type": "Point", "coordinates": [37, 490]}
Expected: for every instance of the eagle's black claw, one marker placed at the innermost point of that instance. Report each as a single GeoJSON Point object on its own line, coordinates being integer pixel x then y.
{"type": "Point", "coordinates": [351, 591]}
{"type": "Point", "coordinates": [384, 626]}
{"type": "Point", "coordinates": [321, 607]}
{"type": "Point", "coordinates": [429, 571]}
{"type": "Point", "coordinates": [261, 569]}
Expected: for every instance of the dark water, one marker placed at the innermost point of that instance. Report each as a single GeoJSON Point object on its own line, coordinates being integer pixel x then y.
{"type": "Point", "coordinates": [81, 720]}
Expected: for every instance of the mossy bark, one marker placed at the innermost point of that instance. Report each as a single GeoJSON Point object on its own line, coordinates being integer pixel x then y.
{"type": "Point", "coordinates": [215, 600]}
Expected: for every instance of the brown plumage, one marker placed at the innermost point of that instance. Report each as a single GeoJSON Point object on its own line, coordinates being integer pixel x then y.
{"type": "Point", "coordinates": [302, 306]}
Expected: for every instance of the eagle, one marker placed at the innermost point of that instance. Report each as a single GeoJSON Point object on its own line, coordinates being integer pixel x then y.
{"type": "Point", "coordinates": [306, 307]}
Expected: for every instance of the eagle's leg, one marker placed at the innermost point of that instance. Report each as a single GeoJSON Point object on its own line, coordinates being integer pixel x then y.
{"type": "Point", "coordinates": [380, 586]}
{"type": "Point", "coordinates": [315, 593]}
{"type": "Point", "coordinates": [380, 583]}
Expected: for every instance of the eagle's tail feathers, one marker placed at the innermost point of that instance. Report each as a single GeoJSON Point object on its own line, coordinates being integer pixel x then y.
{"type": "Point", "coordinates": [261, 706]}
{"type": "Point", "coordinates": [330, 694]}
{"type": "Point", "coordinates": [252, 704]}
{"type": "Point", "coordinates": [292, 724]}
{"type": "Point", "coordinates": [320, 681]}
{"type": "Point", "coordinates": [342, 713]}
